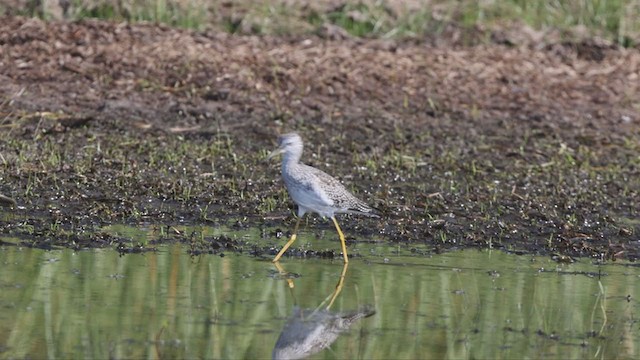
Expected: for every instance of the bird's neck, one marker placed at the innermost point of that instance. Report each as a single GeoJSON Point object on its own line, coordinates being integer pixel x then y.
{"type": "Point", "coordinates": [291, 158]}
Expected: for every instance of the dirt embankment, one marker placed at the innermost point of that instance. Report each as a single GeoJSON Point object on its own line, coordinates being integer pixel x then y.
{"type": "Point", "coordinates": [530, 148]}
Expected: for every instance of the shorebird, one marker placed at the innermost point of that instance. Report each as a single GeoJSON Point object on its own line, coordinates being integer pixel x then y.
{"type": "Point", "coordinates": [314, 190]}
{"type": "Point", "coordinates": [310, 331]}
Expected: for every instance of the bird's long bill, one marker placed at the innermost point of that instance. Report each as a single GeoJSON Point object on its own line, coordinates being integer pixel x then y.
{"type": "Point", "coordinates": [275, 152]}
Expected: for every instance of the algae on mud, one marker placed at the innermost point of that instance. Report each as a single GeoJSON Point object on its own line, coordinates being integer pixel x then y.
{"type": "Point", "coordinates": [528, 149]}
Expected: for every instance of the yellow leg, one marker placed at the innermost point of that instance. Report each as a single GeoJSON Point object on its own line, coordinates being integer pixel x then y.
{"type": "Point", "coordinates": [284, 274]}
{"type": "Point", "coordinates": [342, 241]}
{"type": "Point", "coordinates": [339, 285]}
{"type": "Point", "coordinates": [293, 238]}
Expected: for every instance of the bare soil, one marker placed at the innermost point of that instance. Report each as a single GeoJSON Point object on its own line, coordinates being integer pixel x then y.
{"type": "Point", "coordinates": [531, 148]}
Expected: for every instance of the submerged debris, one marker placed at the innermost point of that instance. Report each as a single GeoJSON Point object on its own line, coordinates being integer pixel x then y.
{"type": "Point", "coordinates": [213, 245]}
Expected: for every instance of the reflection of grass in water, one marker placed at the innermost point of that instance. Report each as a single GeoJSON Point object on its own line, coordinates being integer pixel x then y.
{"type": "Point", "coordinates": [470, 314]}
{"type": "Point", "coordinates": [148, 298]}
{"type": "Point", "coordinates": [602, 300]}
{"type": "Point", "coordinates": [166, 304]}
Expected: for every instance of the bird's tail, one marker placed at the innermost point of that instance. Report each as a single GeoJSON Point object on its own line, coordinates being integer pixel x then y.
{"type": "Point", "coordinates": [364, 209]}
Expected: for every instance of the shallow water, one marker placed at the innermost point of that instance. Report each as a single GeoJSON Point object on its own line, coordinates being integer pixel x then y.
{"type": "Point", "coordinates": [166, 304]}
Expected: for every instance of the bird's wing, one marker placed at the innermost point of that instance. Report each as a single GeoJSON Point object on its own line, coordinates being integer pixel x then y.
{"type": "Point", "coordinates": [306, 187]}
{"type": "Point", "coordinates": [330, 188]}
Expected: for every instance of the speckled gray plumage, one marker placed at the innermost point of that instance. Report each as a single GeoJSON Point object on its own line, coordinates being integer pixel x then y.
{"type": "Point", "coordinates": [309, 331]}
{"type": "Point", "coordinates": [312, 189]}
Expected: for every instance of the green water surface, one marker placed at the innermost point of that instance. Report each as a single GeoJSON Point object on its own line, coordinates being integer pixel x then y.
{"type": "Point", "coordinates": [461, 305]}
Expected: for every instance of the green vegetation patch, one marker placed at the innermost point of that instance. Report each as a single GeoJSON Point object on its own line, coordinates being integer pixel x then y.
{"type": "Point", "coordinates": [616, 20]}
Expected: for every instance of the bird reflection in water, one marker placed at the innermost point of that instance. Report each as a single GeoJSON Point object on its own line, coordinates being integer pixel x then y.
{"type": "Point", "coordinates": [308, 331]}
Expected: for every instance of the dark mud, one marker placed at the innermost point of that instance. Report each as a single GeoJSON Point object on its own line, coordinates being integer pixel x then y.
{"type": "Point", "coordinates": [530, 149]}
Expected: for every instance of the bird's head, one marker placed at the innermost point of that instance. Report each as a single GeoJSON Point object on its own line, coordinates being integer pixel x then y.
{"type": "Point", "coordinates": [290, 143]}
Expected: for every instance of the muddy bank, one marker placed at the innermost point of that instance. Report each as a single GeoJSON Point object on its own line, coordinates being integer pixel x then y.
{"type": "Point", "coordinates": [529, 149]}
